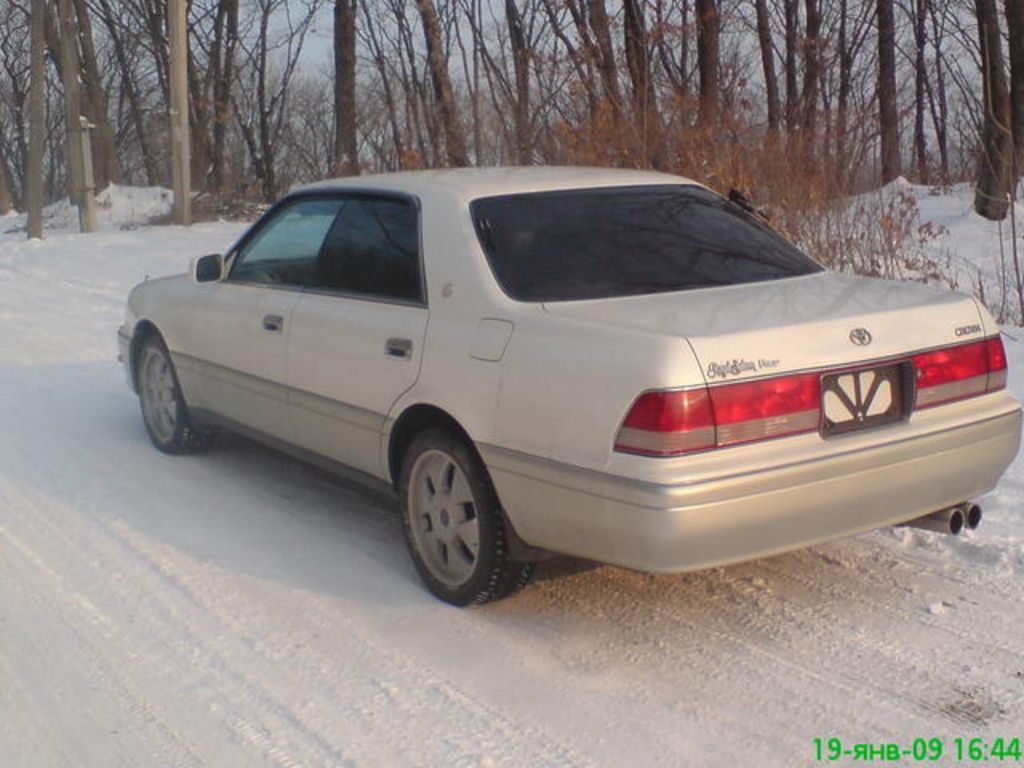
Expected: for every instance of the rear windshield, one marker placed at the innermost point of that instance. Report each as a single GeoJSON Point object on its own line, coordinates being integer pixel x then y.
{"type": "Point", "coordinates": [599, 243]}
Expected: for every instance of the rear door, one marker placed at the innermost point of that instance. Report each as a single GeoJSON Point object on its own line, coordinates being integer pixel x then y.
{"type": "Point", "coordinates": [237, 356]}
{"type": "Point", "coordinates": [357, 333]}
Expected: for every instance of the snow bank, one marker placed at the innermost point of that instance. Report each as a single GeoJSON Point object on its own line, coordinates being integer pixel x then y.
{"type": "Point", "coordinates": [974, 253]}
{"type": "Point", "coordinates": [117, 207]}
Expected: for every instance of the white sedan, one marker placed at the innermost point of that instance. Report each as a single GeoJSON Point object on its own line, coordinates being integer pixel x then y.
{"type": "Point", "coordinates": [621, 366]}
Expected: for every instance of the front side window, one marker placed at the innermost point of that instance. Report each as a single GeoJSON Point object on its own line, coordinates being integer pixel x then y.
{"type": "Point", "coordinates": [284, 250]}
{"type": "Point", "coordinates": [373, 251]}
{"type": "Point", "coordinates": [624, 241]}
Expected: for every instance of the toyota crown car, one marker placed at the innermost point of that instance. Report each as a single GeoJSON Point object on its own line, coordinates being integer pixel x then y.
{"type": "Point", "coordinates": [616, 365]}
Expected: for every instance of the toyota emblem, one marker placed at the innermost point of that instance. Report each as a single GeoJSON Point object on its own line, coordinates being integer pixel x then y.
{"type": "Point", "coordinates": [860, 336]}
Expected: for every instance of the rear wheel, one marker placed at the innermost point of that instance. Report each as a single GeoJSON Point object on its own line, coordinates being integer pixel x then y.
{"type": "Point", "coordinates": [453, 523]}
{"type": "Point", "coordinates": [164, 412]}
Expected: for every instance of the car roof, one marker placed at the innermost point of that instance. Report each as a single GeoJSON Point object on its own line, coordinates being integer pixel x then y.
{"type": "Point", "coordinates": [471, 183]}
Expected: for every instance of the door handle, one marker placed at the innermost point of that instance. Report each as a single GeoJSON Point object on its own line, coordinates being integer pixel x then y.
{"type": "Point", "coordinates": [396, 347]}
{"type": "Point", "coordinates": [273, 323]}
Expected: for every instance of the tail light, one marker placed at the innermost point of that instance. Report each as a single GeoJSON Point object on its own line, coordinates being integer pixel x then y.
{"type": "Point", "coordinates": [669, 422]}
{"type": "Point", "coordinates": [953, 373]}
{"type": "Point", "coordinates": [673, 422]}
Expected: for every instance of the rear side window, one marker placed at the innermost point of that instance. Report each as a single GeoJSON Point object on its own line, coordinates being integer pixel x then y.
{"type": "Point", "coordinates": [599, 243]}
{"type": "Point", "coordinates": [372, 250]}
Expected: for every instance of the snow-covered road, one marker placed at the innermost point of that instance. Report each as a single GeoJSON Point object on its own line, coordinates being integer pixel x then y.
{"type": "Point", "coordinates": [239, 608]}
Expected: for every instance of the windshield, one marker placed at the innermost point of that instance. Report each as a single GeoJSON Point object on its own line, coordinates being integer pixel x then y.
{"type": "Point", "coordinates": [600, 243]}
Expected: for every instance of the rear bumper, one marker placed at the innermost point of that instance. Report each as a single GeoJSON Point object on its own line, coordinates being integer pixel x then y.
{"type": "Point", "coordinates": [666, 527]}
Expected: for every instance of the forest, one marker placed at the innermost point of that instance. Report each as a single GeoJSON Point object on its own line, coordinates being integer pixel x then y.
{"type": "Point", "coordinates": [797, 103]}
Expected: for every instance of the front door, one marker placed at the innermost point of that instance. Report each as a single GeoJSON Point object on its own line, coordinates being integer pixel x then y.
{"type": "Point", "coordinates": [237, 356]}
{"type": "Point", "coordinates": [357, 334]}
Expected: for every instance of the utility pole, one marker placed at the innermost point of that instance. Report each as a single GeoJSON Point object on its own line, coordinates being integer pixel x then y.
{"type": "Point", "coordinates": [180, 139]}
{"type": "Point", "coordinates": [77, 191]}
{"type": "Point", "coordinates": [34, 172]}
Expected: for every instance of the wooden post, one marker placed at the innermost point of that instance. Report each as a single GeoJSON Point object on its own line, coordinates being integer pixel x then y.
{"type": "Point", "coordinates": [87, 208]}
{"type": "Point", "coordinates": [77, 192]}
{"type": "Point", "coordinates": [34, 172]}
{"type": "Point", "coordinates": [180, 140]}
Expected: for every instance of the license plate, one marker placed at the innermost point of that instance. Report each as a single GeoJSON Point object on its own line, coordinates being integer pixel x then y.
{"type": "Point", "coordinates": [862, 399]}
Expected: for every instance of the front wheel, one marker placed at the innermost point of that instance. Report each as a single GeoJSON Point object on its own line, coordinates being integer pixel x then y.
{"type": "Point", "coordinates": [163, 409]}
{"type": "Point", "coordinates": [453, 524]}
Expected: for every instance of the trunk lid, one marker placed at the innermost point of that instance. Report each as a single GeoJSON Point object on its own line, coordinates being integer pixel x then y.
{"type": "Point", "coordinates": [805, 323]}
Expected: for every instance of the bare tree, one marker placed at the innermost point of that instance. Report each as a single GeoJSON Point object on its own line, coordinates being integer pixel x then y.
{"type": "Point", "coordinates": [346, 150]}
{"type": "Point", "coordinates": [920, 9]}
{"type": "Point", "coordinates": [454, 137]}
{"type": "Point", "coordinates": [995, 169]}
{"type": "Point", "coordinates": [938, 104]}
{"type": "Point", "coordinates": [791, 9]}
{"type": "Point", "coordinates": [771, 81]}
{"type": "Point", "coordinates": [130, 90]}
{"type": "Point", "coordinates": [521, 67]}
{"type": "Point", "coordinates": [6, 195]}
{"type": "Point", "coordinates": [1015, 34]}
{"type": "Point", "coordinates": [604, 53]}
{"type": "Point", "coordinates": [888, 116]}
{"type": "Point", "coordinates": [222, 74]}
{"type": "Point", "coordinates": [645, 97]}
{"type": "Point", "coordinates": [813, 45]}
{"type": "Point", "coordinates": [708, 61]}
{"type": "Point", "coordinates": [106, 163]}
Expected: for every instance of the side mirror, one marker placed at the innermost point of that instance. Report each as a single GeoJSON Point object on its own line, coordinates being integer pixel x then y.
{"type": "Point", "coordinates": [206, 269]}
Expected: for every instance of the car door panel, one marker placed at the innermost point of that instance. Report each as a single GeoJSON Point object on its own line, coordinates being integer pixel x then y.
{"type": "Point", "coordinates": [357, 337]}
{"type": "Point", "coordinates": [237, 366]}
{"type": "Point", "coordinates": [342, 377]}
{"type": "Point", "coordinates": [235, 363]}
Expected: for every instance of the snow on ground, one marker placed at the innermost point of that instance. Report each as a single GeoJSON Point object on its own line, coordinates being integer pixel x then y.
{"type": "Point", "coordinates": [974, 253]}
{"type": "Point", "coordinates": [242, 609]}
{"type": "Point", "coordinates": [117, 207]}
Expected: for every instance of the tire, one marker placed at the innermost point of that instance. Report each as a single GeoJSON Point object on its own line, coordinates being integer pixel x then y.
{"type": "Point", "coordinates": [453, 523]}
{"type": "Point", "coordinates": [164, 412]}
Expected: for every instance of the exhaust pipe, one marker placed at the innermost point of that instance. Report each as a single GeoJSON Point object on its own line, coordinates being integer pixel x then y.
{"type": "Point", "coordinates": [949, 520]}
{"type": "Point", "coordinates": [972, 516]}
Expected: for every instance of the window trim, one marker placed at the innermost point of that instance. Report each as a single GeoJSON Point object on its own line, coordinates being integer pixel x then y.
{"type": "Point", "coordinates": [475, 216]}
{"type": "Point", "coordinates": [334, 193]}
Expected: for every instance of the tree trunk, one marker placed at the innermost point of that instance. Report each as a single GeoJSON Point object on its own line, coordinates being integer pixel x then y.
{"type": "Point", "coordinates": [771, 81]}
{"type": "Point", "coordinates": [792, 15]}
{"type": "Point", "coordinates": [346, 150]}
{"type": "Point", "coordinates": [6, 195]}
{"type": "Point", "coordinates": [606, 56]}
{"type": "Point", "coordinates": [222, 89]}
{"type": "Point", "coordinates": [1015, 28]}
{"type": "Point", "coordinates": [521, 67]}
{"type": "Point", "coordinates": [995, 170]}
{"type": "Point", "coordinates": [845, 57]}
{"type": "Point", "coordinates": [707, 61]}
{"type": "Point", "coordinates": [455, 140]}
{"type": "Point", "coordinates": [645, 98]}
{"type": "Point", "coordinates": [888, 117]}
{"type": "Point", "coordinates": [812, 78]}
{"type": "Point", "coordinates": [200, 117]}
{"type": "Point", "coordinates": [369, 24]}
{"type": "Point", "coordinates": [106, 164]}
{"type": "Point", "coordinates": [920, 40]}
{"type": "Point", "coordinates": [72, 100]}
{"type": "Point", "coordinates": [131, 92]}
{"type": "Point", "coordinates": [938, 104]}
{"type": "Point", "coordinates": [36, 120]}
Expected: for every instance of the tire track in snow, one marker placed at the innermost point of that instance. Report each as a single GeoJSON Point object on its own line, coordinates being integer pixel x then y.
{"type": "Point", "coordinates": [178, 600]}
{"type": "Point", "coordinates": [93, 634]}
